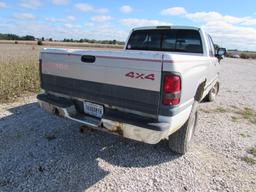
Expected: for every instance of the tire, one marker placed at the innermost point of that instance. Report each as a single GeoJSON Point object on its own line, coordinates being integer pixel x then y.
{"type": "Point", "coordinates": [180, 140]}
{"type": "Point", "coordinates": [211, 96]}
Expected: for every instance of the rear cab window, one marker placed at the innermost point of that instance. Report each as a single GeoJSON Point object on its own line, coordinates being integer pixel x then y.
{"type": "Point", "coordinates": [171, 40]}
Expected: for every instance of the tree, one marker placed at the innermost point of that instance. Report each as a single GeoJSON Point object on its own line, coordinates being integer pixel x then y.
{"type": "Point", "coordinates": [28, 38]}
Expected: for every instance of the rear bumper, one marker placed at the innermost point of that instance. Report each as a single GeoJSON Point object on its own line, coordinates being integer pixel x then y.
{"type": "Point", "coordinates": [146, 130]}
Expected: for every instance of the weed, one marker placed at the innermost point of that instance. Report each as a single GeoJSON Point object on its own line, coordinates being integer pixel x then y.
{"type": "Point", "coordinates": [221, 110]}
{"type": "Point", "coordinates": [244, 135]}
{"type": "Point", "coordinates": [233, 106]}
{"type": "Point", "coordinates": [252, 151]}
{"type": "Point", "coordinates": [248, 114]}
{"type": "Point", "coordinates": [205, 110]}
{"type": "Point", "coordinates": [235, 119]}
{"type": "Point", "coordinates": [249, 160]}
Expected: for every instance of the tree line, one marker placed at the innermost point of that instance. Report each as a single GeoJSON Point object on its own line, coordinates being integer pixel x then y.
{"type": "Point", "coordinates": [114, 42]}
{"type": "Point", "coordinates": [16, 37]}
{"type": "Point", "coordinates": [32, 38]}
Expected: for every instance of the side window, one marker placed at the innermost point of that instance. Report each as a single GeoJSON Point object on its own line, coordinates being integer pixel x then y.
{"type": "Point", "coordinates": [211, 46]}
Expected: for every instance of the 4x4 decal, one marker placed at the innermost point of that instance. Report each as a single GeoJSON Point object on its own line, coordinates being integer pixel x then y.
{"type": "Point", "coordinates": [140, 76]}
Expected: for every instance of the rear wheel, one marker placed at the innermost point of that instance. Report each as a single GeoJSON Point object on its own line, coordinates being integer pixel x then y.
{"type": "Point", "coordinates": [213, 93]}
{"type": "Point", "coordinates": [180, 140]}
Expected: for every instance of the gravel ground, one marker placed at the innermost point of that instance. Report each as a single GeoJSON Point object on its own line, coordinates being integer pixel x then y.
{"type": "Point", "coordinates": [41, 152]}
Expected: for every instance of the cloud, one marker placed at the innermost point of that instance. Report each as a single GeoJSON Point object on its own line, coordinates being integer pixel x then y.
{"type": "Point", "coordinates": [60, 2]}
{"type": "Point", "coordinates": [31, 4]}
{"type": "Point", "coordinates": [227, 30]}
{"type": "Point", "coordinates": [174, 11]}
{"type": "Point", "coordinates": [71, 18]}
{"type": "Point", "coordinates": [84, 7]}
{"type": "Point", "coordinates": [102, 10]}
{"type": "Point", "coordinates": [134, 22]}
{"type": "Point", "coordinates": [232, 36]}
{"type": "Point", "coordinates": [105, 32]}
{"type": "Point", "coordinates": [89, 24]}
{"type": "Point", "coordinates": [215, 16]}
{"type": "Point", "coordinates": [24, 16]}
{"type": "Point", "coordinates": [72, 26]}
{"type": "Point", "coordinates": [126, 9]}
{"type": "Point", "coordinates": [67, 19]}
{"type": "Point", "coordinates": [2, 5]}
{"type": "Point", "coordinates": [101, 18]}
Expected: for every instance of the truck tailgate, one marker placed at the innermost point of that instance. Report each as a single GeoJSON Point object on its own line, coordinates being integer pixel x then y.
{"type": "Point", "coordinates": [124, 79]}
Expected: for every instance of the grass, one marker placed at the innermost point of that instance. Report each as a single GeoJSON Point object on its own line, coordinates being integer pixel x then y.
{"type": "Point", "coordinates": [252, 151]}
{"type": "Point", "coordinates": [249, 160]}
{"type": "Point", "coordinates": [248, 55]}
{"type": "Point", "coordinates": [247, 113]}
{"type": "Point", "coordinates": [216, 110]}
{"type": "Point", "coordinates": [18, 70]}
{"type": "Point", "coordinates": [221, 110]}
{"type": "Point", "coordinates": [205, 110]}
{"type": "Point", "coordinates": [235, 119]}
{"type": "Point", "coordinates": [244, 135]}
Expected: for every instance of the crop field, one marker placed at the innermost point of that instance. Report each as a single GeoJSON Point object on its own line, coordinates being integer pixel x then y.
{"type": "Point", "coordinates": [42, 152]}
{"type": "Point", "coordinates": [18, 70]}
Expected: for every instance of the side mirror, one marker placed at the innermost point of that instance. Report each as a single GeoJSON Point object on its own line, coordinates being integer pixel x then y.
{"type": "Point", "coordinates": [220, 53]}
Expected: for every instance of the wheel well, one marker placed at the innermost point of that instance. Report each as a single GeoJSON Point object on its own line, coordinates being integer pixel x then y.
{"type": "Point", "coordinates": [200, 91]}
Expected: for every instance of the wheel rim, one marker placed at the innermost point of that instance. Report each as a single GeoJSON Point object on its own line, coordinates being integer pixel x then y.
{"type": "Point", "coordinates": [214, 91]}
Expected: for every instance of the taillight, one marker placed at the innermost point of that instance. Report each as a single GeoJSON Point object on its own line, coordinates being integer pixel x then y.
{"type": "Point", "coordinates": [171, 90]}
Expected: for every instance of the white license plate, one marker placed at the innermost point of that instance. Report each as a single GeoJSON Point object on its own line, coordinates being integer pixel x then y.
{"type": "Point", "coordinates": [93, 109]}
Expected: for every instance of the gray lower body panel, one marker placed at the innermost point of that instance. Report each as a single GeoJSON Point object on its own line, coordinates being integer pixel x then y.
{"type": "Point", "coordinates": [125, 97]}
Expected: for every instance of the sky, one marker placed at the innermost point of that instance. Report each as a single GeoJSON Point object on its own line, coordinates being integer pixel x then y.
{"type": "Point", "coordinates": [231, 23]}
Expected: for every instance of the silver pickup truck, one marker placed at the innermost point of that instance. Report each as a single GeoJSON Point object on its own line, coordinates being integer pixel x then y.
{"type": "Point", "coordinates": [147, 92]}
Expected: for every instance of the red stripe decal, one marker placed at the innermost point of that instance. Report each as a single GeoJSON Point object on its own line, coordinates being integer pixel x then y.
{"type": "Point", "coordinates": [109, 57]}
{"type": "Point", "coordinates": [126, 58]}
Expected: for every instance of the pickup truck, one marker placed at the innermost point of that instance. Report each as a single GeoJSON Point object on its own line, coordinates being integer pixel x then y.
{"type": "Point", "coordinates": [149, 91]}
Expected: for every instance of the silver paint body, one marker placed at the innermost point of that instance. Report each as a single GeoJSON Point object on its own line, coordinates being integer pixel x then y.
{"type": "Point", "coordinates": [111, 66]}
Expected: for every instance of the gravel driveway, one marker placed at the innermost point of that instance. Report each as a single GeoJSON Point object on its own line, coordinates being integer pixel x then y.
{"type": "Point", "coordinates": [41, 152]}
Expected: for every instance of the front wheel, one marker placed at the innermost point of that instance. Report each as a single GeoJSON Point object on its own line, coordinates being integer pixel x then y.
{"type": "Point", "coordinates": [211, 96]}
{"type": "Point", "coordinates": [180, 140]}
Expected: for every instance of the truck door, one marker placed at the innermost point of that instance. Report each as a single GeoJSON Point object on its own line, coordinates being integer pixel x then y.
{"type": "Point", "coordinates": [213, 69]}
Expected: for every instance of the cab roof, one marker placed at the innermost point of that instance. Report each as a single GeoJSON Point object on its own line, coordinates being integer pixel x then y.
{"type": "Point", "coordinates": [166, 27]}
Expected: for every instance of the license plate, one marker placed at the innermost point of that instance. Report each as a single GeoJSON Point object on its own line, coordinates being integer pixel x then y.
{"type": "Point", "coordinates": [93, 109]}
